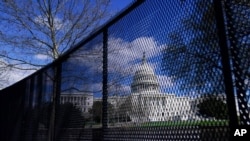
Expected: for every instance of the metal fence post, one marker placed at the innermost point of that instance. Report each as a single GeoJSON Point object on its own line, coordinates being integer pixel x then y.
{"type": "Point", "coordinates": [227, 72]}
{"type": "Point", "coordinates": [237, 70]}
{"type": "Point", "coordinates": [105, 81]}
{"type": "Point", "coordinates": [55, 96]}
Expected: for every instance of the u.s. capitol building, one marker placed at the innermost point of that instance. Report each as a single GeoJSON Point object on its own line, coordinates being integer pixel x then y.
{"type": "Point", "coordinates": [149, 104]}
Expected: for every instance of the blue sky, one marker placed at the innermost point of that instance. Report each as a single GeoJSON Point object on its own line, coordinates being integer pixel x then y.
{"type": "Point", "coordinates": [144, 29]}
{"type": "Point", "coordinates": [16, 75]}
{"type": "Point", "coordinates": [117, 5]}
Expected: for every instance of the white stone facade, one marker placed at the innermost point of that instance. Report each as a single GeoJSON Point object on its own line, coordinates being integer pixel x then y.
{"type": "Point", "coordinates": [83, 101]}
{"type": "Point", "coordinates": [149, 104]}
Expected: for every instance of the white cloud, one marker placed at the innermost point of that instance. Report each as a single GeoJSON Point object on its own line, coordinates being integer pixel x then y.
{"type": "Point", "coordinates": [124, 58]}
{"type": "Point", "coordinates": [16, 75]}
{"type": "Point", "coordinates": [123, 53]}
{"type": "Point", "coordinates": [42, 20]}
{"type": "Point", "coordinates": [41, 57]}
{"type": "Point", "coordinates": [165, 81]}
{"type": "Point", "coordinates": [11, 75]}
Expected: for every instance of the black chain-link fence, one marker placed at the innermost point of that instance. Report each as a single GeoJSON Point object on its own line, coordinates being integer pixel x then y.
{"type": "Point", "coordinates": [161, 70]}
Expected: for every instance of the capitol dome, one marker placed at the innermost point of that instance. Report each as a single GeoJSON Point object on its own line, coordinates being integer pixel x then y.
{"type": "Point", "coordinates": [144, 78]}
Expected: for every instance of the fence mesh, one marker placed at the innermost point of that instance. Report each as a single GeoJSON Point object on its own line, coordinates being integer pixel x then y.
{"type": "Point", "coordinates": [156, 72]}
{"type": "Point", "coordinates": [81, 90]}
{"type": "Point", "coordinates": [238, 34]}
{"type": "Point", "coordinates": [165, 73]}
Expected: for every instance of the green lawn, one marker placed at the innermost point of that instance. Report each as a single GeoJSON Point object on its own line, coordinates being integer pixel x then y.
{"type": "Point", "coordinates": [187, 123]}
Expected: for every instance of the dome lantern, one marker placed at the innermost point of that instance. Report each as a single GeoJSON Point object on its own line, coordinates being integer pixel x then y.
{"type": "Point", "coordinates": [144, 78]}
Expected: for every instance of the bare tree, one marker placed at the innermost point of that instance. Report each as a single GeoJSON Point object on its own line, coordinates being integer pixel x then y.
{"type": "Point", "coordinates": [45, 29]}
{"type": "Point", "coordinates": [3, 72]}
